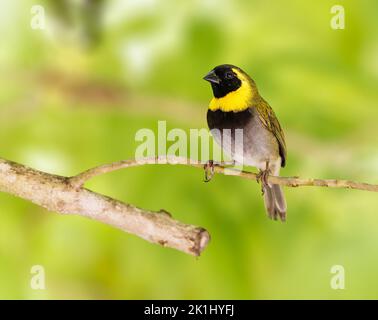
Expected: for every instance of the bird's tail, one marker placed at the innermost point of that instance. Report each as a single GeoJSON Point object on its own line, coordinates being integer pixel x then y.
{"type": "Point", "coordinates": [275, 203]}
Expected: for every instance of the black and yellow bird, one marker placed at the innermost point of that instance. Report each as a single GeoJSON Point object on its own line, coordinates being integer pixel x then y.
{"type": "Point", "coordinates": [237, 104]}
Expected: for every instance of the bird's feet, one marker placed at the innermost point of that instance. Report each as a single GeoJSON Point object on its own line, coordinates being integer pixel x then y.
{"type": "Point", "coordinates": [209, 170]}
{"type": "Point", "coordinates": [262, 177]}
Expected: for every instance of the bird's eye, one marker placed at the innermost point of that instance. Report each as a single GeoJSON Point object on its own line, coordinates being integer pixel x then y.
{"type": "Point", "coordinates": [229, 75]}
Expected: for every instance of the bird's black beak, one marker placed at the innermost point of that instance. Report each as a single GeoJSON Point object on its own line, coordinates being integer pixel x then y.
{"type": "Point", "coordinates": [212, 77]}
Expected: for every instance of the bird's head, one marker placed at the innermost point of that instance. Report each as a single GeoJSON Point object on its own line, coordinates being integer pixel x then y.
{"type": "Point", "coordinates": [233, 89]}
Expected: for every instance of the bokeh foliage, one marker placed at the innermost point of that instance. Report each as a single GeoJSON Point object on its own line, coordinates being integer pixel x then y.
{"type": "Point", "coordinates": [73, 96]}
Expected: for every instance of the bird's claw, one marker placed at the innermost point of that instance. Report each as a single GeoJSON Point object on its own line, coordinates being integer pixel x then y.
{"type": "Point", "coordinates": [209, 170]}
{"type": "Point", "coordinates": [262, 177]}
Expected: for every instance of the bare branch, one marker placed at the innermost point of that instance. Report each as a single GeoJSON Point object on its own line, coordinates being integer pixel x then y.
{"type": "Point", "coordinates": [66, 195]}
{"type": "Point", "coordinates": [55, 193]}
{"type": "Point", "coordinates": [79, 180]}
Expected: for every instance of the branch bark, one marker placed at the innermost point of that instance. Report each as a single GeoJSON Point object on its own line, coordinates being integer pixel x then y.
{"type": "Point", "coordinates": [67, 195]}
{"type": "Point", "coordinates": [55, 193]}
{"type": "Point", "coordinates": [79, 180]}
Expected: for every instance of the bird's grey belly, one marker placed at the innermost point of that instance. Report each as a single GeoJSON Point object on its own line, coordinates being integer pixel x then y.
{"type": "Point", "coordinates": [256, 146]}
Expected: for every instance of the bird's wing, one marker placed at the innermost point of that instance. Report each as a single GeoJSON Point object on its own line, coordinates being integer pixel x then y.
{"type": "Point", "coordinates": [270, 122]}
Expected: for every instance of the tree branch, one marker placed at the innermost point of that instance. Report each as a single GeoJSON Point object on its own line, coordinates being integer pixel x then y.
{"type": "Point", "coordinates": [55, 193]}
{"type": "Point", "coordinates": [79, 180]}
{"type": "Point", "coordinates": [67, 195]}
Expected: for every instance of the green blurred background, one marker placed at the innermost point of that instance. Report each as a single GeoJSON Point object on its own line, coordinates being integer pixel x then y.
{"type": "Point", "coordinates": [72, 96]}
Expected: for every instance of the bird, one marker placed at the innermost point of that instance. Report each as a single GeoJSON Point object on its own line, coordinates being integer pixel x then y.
{"type": "Point", "coordinates": [237, 104]}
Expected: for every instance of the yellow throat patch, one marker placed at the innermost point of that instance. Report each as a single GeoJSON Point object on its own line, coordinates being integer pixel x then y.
{"type": "Point", "coordinates": [237, 100]}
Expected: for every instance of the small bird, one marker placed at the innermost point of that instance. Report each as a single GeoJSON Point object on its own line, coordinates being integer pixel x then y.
{"type": "Point", "coordinates": [237, 104]}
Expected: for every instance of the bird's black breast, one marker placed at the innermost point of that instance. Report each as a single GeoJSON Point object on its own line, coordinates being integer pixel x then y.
{"type": "Point", "coordinates": [228, 120]}
{"type": "Point", "coordinates": [258, 142]}
{"type": "Point", "coordinates": [224, 126]}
